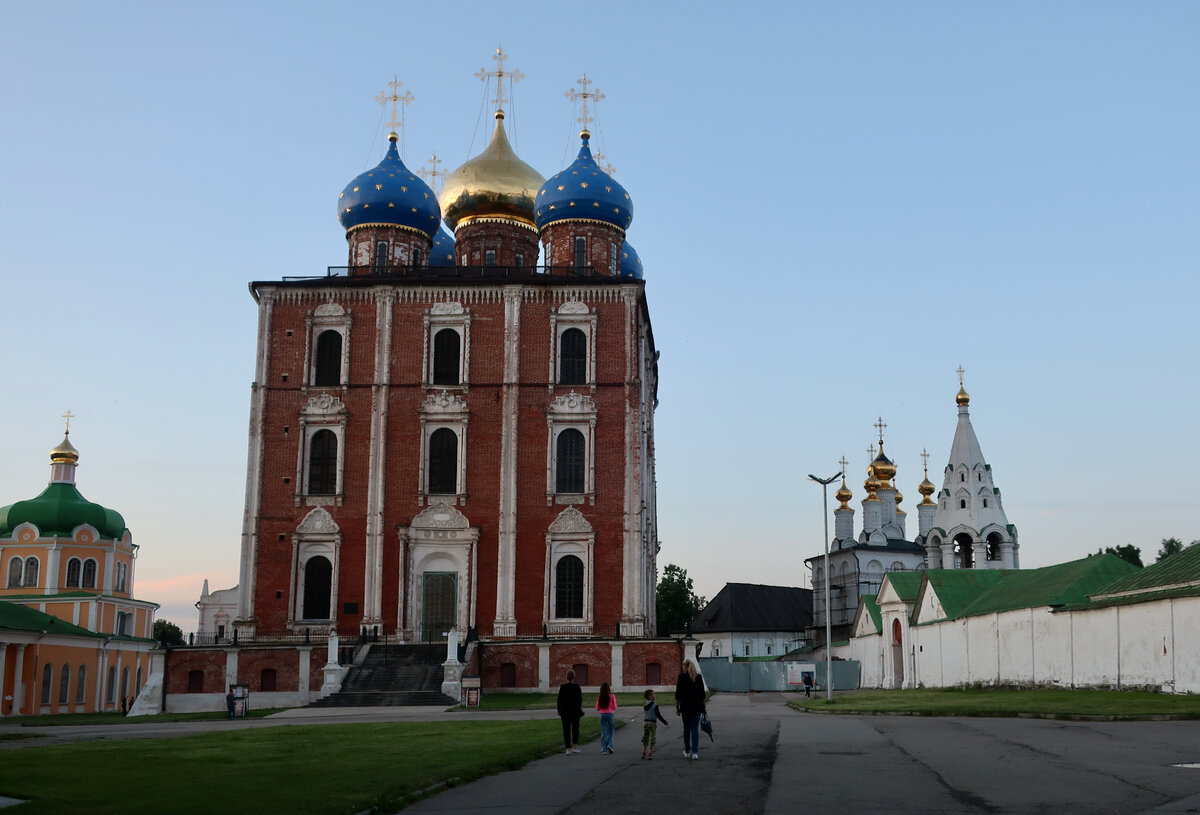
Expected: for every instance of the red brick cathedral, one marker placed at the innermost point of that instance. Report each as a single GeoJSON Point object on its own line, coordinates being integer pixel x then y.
{"type": "Point", "coordinates": [456, 431]}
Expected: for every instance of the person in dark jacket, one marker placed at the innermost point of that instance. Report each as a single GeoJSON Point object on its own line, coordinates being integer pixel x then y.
{"type": "Point", "coordinates": [689, 703]}
{"type": "Point", "coordinates": [570, 708]}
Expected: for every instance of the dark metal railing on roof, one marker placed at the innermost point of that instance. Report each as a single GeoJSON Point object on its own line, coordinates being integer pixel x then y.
{"type": "Point", "coordinates": [462, 272]}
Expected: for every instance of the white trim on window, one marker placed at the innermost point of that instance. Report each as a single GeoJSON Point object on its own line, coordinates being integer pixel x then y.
{"type": "Point", "coordinates": [443, 410]}
{"type": "Point", "coordinates": [322, 412]}
{"type": "Point", "coordinates": [455, 317]}
{"type": "Point", "coordinates": [327, 317]}
{"type": "Point", "coordinates": [578, 412]}
{"type": "Point", "coordinates": [569, 535]}
{"type": "Point", "coordinates": [572, 314]}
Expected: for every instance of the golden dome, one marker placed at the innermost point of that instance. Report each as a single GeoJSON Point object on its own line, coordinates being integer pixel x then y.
{"type": "Point", "coordinates": [962, 398]}
{"type": "Point", "coordinates": [64, 453]}
{"type": "Point", "coordinates": [495, 184]}
{"type": "Point", "coordinates": [843, 494]}
{"type": "Point", "coordinates": [871, 485]}
{"type": "Point", "coordinates": [926, 489]}
{"type": "Point", "coordinates": [883, 468]}
{"type": "Point", "coordinates": [899, 497]}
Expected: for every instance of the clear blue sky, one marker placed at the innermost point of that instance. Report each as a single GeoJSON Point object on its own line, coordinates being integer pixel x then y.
{"type": "Point", "coordinates": [837, 204]}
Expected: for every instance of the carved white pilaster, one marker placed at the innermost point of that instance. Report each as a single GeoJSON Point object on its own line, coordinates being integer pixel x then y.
{"type": "Point", "coordinates": [247, 572]}
{"type": "Point", "coordinates": [377, 462]}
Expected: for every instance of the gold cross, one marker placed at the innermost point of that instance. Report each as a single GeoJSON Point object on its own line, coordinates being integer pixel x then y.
{"type": "Point", "coordinates": [585, 95]}
{"type": "Point", "coordinates": [960, 373]}
{"type": "Point", "coordinates": [603, 165]}
{"type": "Point", "coordinates": [68, 416]}
{"type": "Point", "coordinates": [431, 173]}
{"type": "Point", "coordinates": [483, 74]}
{"type": "Point", "coordinates": [880, 426]}
{"type": "Point", "coordinates": [871, 453]}
{"type": "Point", "coordinates": [843, 462]}
{"type": "Point", "coordinates": [396, 98]}
{"type": "Point", "coordinates": [925, 459]}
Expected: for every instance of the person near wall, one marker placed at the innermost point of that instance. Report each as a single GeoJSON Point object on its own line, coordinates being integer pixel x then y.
{"type": "Point", "coordinates": [689, 703]}
{"type": "Point", "coordinates": [570, 709]}
{"type": "Point", "coordinates": [606, 706]}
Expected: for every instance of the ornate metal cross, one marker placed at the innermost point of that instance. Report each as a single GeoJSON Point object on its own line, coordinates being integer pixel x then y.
{"type": "Point", "coordinates": [584, 95]}
{"type": "Point", "coordinates": [396, 98]}
{"type": "Point", "coordinates": [483, 74]}
{"type": "Point", "coordinates": [68, 416]}
{"type": "Point", "coordinates": [431, 173]}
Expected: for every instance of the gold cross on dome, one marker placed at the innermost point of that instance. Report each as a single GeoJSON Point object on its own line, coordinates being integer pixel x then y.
{"type": "Point", "coordinates": [871, 453]}
{"type": "Point", "coordinates": [395, 98]}
{"type": "Point", "coordinates": [431, 173]}
{"type": "Point", "coordinates": [584, 95]}
{"type": "Point", "coordinates": [514, 75]}
{"type": "Point", "coordinates": [68, 416]}
{"type": "Point", "coordinates": [925, 459]}
{"type": "Point", "coordinates": [843, 462]}
{"type": "Point", "coordinates": [880, 426]}
{"type": "Point", "coordinates": [960, 373]}
{"type": "Point", "coordinates": [604, 165]}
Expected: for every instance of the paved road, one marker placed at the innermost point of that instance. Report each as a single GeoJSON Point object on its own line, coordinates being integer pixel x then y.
{"type": "Point", "coordinates": [769, 759]}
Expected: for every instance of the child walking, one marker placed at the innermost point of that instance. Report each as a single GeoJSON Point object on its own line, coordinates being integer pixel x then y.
{"type": "Point", "coordinates": [651, 716]}
{"type": "Point", "coordinates": [606, 706]}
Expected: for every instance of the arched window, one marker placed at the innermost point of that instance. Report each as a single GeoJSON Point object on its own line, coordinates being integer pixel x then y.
{"type": "Point", "coordinates": [897, 632]}
{"type": "Point", "coordinates": [443, 461]}
{"type": "Point", "coordinates": [266, 679]}
{"type": "Point", "coordinates": [14, 573]}
{"type": "Point", "coordinates": [137, 686]}
{"type": "Point", "coordinates": [318, 580]}
{"type": "Point", "coordinates": [322, 463]}
{"type": "Point", "coordinates": [125, 682]}
{"type": "Point", "coordinates": [74, 568]}
{"type": "Point", "coordinates": [80, 684]}
{"type": "Point", "coordinates": [381, 255]}
{"type": "Point", "coordinates": [570, 462]}
{"type": "Point", "coordinates": [572, 366]}
{"type": "Point", "coordinates": [568, 592]}
{"type": "Point", "coordinates": [47, 682]}
{"type": "Point", "coordinates": [580, 252]}
{"type": "Point", "coordinates": [964, 551]}
{"type": "Point", "coordinates": [121, 576]}
{"type": "Point", "coordinates": [110, 693]}
{"type": "Point", "coordinates": [962, 503]}
{"type": "Point", "coordinates": [329, 359]}
{"type": "Point", "coordinates": [31, 572]}
{"type": "Point", "coordinates": [89, 574]}
{"type": "Point", "coordinates": [993, 546]}
{"type": "Point", "coordinates": [64, 684]}
{"type": "Point", "coordinates": [446, 349]}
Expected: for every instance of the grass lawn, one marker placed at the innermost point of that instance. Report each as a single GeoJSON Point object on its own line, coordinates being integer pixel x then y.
{"type": "Point", "coordinates": [547, 701]}
{"type": "Point", "coordinates": [64, 719]}
{"type": "Point", "coordinates": [295, 769]}
{"type": "Point", "coordinates": [1049, 703]}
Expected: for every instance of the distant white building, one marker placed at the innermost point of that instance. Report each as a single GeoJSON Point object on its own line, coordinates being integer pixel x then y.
{"type": "Point", "coordinates": [217, 612]}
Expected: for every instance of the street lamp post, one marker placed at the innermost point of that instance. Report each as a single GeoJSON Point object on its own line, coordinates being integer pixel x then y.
{"type": "Point", "coordinates": [825, 482]}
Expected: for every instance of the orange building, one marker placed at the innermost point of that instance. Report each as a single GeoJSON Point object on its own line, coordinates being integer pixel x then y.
{"type": "Point", "coordinates": [72, 637]}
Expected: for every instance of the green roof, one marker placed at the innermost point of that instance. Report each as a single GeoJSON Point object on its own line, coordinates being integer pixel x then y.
{"type": "Point", "coordinates": [872, 606]}
{"type": "Point", "coordinates": [1177, 576]}
{"type": "Point", "coordinates": [973, 592]}
{"type": "Point", "coordinates": [905, 584]}
{"type": "Point", "coordinates": [21, 618]}
{"type": "Point", "coordinates": [59, 510]}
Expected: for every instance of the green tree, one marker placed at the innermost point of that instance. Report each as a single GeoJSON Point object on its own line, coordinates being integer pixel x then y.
{"type": "Point", "coordinates": [675, 601]}
{"type": "Point", "coordinates": [167, 632]}
{"type": "Point", "coordinates": [1127, 552]}
{"type": "Point", "coordinates": [1170, 546]}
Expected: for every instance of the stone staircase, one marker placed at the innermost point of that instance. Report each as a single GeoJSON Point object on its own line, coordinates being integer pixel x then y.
{"type": "Point", "coordinates": [394, 675]}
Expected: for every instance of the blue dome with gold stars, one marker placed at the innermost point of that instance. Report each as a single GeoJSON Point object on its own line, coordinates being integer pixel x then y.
{"type": "Point", "coordinates": [390, 195]}
{"type": "Point", "coordinates": [631, 264]}
{"type": "Point", "coordinates": [585, 192]}
{"type": "Point", "coordinates": [442, 252]}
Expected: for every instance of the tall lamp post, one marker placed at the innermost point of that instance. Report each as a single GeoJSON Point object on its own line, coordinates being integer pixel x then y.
{"type": "Point", "coordinates": [825, 482]}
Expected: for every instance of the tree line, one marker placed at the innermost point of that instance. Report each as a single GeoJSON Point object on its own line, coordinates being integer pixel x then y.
{"type": "Point", "coordinates": [1133, 554]}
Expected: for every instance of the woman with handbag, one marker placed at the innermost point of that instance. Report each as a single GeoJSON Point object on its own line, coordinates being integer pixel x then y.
{"type": "Point", "coordinates": [689, 703]}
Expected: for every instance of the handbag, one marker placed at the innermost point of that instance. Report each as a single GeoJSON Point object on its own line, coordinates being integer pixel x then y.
{"type": "Point", "coordinates": [706, 725]}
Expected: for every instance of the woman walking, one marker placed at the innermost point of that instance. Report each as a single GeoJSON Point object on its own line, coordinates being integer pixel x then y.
{"type": "Point", "coordinates": [606, 706]}
{"type": "Point", "coordinates": [570, 708]}
{"type": "Point", "coordinates": [689, 703]}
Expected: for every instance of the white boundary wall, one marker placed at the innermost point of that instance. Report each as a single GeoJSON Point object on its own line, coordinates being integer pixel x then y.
{"type": "Point", "coordinates": [1149, 645]}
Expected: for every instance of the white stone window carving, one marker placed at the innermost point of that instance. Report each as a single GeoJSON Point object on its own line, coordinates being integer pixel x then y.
{"type": "Point", "coordinates": [447, 351]}
{"type": "Point", "coordinates": [316, 546]}
{"type": "Point", "coordinates": [573, 347]}
{"type": "Point", "coordinates": [570, 453]}
{"type": "Point", "coordinates": [443, 472]}
{"type": "Point", "coordinates": [321, 458]}
{"type": "Point", "coordinates": [569, 594]}
{"type": "Point", "coordinates": [327, 356]}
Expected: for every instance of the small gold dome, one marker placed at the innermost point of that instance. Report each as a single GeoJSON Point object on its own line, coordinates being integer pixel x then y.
{"type": "Point", "coordinates": [64, 453]}
{"type": "Point", "coordinates": [883, 468]}
{"type": "Point", "coordinates": [899, 497]}
{"type": "Point", "coordinates": [843, 494]}
{"type": "Point", "coordinates": [926, 488]}
{"type": "Point", "coordinates": [871, 485]}
{"type": "Point", "coordinates": [494, 184]}
{"type": "Point", "coordinates": [962, 398]}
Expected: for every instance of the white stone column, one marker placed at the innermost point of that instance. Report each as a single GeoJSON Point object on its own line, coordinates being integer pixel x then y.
{"type": "Point", "coordinates": [377, 463]}
{"type": "Point", "coordinates": [18, 690]}
{"type": "Point", "coordinates": [231, 668]}
{"type": "Point", "coordinates": [506, 622]}
{"type": "Point", "coordinates": [544, 678]}
{"type": "Point", "coordinates": [618, 667]}
{"type": "Point", "coordinates": [254, 457]}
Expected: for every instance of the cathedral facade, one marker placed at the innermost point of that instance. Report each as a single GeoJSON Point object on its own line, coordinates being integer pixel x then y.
{"type": "Point", "coordinates": [455, 430]}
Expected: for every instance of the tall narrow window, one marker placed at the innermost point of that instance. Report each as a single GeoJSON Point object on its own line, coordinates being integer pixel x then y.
{"type": "Point", "coordinates": [14, 573]}
{"type": "Point", "coordinates": [31, 572]}
{"type": "Point", "coordinates": [446, 349]}
{"type": "Point", "coordinates": [125, 682]}
{"type": "Point", "coordinates": [489, 257]}
{"type": "Point", "coordinates": [568, 587]}
{"type": "Point", "coordinates": [80, 684]}
{"type": "Point", "coordinates": [519, 260]}
{"type": "Point", "coordinates": [572, 367]}
{"type": "Point", "coordinates": [443, 462]}
{"type": "Point", "coordinates": [569, 462]}
{"type": "Point", "coordinates": [110, 693]}
{"type": "Point", "coordinates": [416, 258]}
{"type": "Point", "coordinates": [318, 580]}
{"type": "Point", "coordinates": [74, 567]}
{"type": "Point", "coordinates": [47, 682]}
{"type": "Point", "coordinates": [89, 574]}
{"type": "Point", "coordinates": [580, 253]}
{"type": "Point", "coordinates": [381, 255]}
{"type": "Point", "coordinates": [322, 463]}
{"type": "Point", "coordinates": [329, 359]}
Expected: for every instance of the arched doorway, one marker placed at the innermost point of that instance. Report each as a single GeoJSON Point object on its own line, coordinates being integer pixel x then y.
{"type": "Point", "coordinates": [897, 654]}
{"type": "Point", "coordinates": [318, 580]}
{"type": "Point", "coordinates": [964, 551]}
{"type": "Point", "coordinates": [439, 601]}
